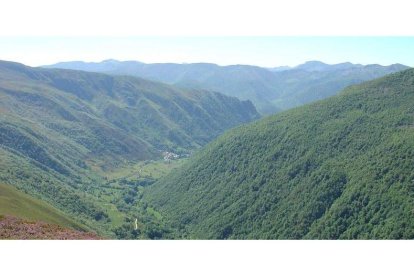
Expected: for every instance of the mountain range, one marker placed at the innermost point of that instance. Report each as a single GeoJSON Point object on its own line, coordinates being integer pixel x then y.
{"type": "Point", "coordinates": [271, 90]}
{"type": "Point", "coordinates": [130, 158]}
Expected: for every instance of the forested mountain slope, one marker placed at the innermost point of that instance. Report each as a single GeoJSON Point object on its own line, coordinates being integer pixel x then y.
{"type": "Point", "coordinates": [55, 125]}
{"type": "Point", "coordinates": [341, 168]}
{"type": "Point", "coordinates": [271, 90]}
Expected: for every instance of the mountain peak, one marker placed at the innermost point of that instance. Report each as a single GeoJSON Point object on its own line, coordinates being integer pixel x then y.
{"type": "Point", "coordinates": [312, 65]}
{"type": "Point", "coordinates": [314, 62]}
{"type": "Point", "coordinates": [319, 66]}
{"type": "Point", "coordinates": [110, 61]}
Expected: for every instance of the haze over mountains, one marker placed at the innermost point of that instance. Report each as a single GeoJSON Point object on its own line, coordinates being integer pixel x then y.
{"type": "Point", "coordinates": [271, 90]}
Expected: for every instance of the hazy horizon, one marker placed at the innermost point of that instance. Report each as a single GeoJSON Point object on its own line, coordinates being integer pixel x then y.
{"type": "Point", "coordinates": [266, 52]}
{"type": "Point", "coordinates": [204, 62]}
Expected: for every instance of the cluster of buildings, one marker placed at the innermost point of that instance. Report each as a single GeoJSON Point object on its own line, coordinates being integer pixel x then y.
{"type": "Point", "coordinates": [168, 156]}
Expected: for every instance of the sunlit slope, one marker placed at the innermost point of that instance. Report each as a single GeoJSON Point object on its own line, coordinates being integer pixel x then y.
{"type": "Point", "coordinates": [16, 203]}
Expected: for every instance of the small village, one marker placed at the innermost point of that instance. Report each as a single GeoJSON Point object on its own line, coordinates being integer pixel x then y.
{"type": "Point", "coordinates": [168, 156]}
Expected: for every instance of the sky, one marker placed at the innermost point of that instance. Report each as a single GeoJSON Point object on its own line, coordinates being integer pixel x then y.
{"type": "Point", "coordinates": [266, 51]}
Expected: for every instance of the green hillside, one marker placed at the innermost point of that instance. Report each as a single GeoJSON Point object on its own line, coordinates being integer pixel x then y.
{"type": "Point", "coordinates": [270, 90]}
{"type": "Point", "coordinates": [16, 203]}
{"type": "Point", "coordinates": [62, 131]}
{"type": "Point", "coordinates": [341, 168]}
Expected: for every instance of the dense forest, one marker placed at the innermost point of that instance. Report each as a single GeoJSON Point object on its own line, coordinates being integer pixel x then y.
{"type": "Point", "coordinates": [341, 168]}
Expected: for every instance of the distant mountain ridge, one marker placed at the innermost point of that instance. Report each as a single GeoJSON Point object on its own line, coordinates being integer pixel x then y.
{"type": "Point", "coordinates": [314, 66]}
{"type": "Point", "coordinates": [270, 89]}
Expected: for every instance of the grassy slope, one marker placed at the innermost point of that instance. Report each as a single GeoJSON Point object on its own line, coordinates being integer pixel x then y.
{"type": "Point", "coordinates": [337, 169]}
{"type": "Point", "coordinates": [16, 203]}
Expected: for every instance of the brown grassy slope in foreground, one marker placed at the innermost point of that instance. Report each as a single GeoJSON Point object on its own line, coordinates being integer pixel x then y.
{"type": "Point", "coordinates": [13, 228]}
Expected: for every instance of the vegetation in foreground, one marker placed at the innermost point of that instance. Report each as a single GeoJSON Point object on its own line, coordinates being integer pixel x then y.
{"type": "Point", "coordinates": [16, 203]}
{"type": "Point", "coordinates": [12, 228]}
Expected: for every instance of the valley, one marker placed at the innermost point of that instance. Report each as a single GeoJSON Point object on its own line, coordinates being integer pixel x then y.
{"type": "Point", "coordinates": [117, 156]}
{"type": "Point", "coordinates": [88, 143]}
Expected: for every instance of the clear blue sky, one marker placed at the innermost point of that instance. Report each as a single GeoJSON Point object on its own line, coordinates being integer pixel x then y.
{"type": "Point", "coordinates": [262, 51]}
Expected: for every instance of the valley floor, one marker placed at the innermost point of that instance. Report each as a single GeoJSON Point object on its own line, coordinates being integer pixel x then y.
{"type": "Point", "coordinates": [116, 190]}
